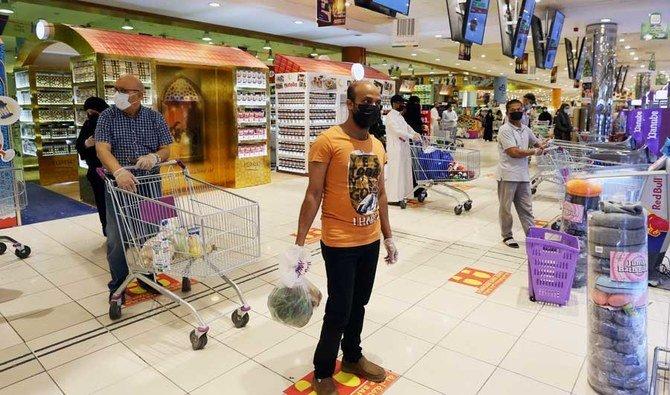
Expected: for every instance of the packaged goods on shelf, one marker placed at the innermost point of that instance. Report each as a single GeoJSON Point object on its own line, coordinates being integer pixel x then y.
{"type": "Point", "coordinates": [251, 116]}
{"type": "Point", "coordinates": [252, 133]}
{"type": "Point", "coordinates": [81, 93]}
{"type": "Point", "coordinates": [26, 115]}
{"type": "Point", "coordinates": [22, 79]}
{"type": "Point", "coordinates": [54, 97]}
{"type": "Point", "coordinates": [53, 80]}
{"type": "Point", "coordinates": [112, 69]}
{"type": "Point", "coordinates": [83, 71]}
{"type": "Point", "coordinates": [23, 97]}
{"type": "Point", "coordinates": [251, 79]}
{"type": "Point", "coordinates": [252, 150]}
{"type": "Point", "coordinates": [252, 98]}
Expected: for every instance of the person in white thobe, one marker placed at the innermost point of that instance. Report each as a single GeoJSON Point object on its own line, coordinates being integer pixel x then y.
{"type": "Point", "coordinates": [450, 120]}
{"type": "Point", "coordinates": [399, 167]}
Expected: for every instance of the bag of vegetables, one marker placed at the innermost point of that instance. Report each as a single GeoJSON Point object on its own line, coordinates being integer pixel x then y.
{"type": "Point", "coordinates": [292, 302]}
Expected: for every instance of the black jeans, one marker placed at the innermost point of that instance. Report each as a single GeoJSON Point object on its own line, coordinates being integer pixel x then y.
{"type": "Point", "coordinates": [98, 187]}
{"type": "Point", "coordinates": [351, 274]}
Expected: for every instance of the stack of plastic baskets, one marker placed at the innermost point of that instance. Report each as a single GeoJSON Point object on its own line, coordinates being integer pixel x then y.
{"type": "Point", "coordinates": [552, 257]}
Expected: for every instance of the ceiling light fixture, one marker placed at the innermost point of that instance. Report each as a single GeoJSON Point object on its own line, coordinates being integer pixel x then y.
{"type": "Point", "coordinates": [437, 59]}
{"type": "Point", "coordinates": [642, 66]}
{"type": "Point", "coordinates": [621, 40]}
{"type": "Point", "coordinates": [410, 68]}
{"type": "Point", "coordinates": [627, 47]}
{"type": "Point", "coordinates": [314, 54]}
{"type": "Point", "coordinates": [636, 58]}
{"type": "Point", "coordinates": [606, 20]}
{"type": "Point", "coordinates": [438, 36]}
{"type": "Point", "coordinates": [297, 22]}
{"type": "Point", "coordinates": [458, 64]}
{"type": "Point", "coordinates": [384, 63]}
{"type": "Point", "coordinates": [271, 58]}
{"type": "Point", "coordinates": [214, 4]}
{"type": "Point", "coordinates": [6, 8]}
{"type": "Point", "coordinates": [631, 53]}
{"type": "Point", "coordinates": [127, 25]}
{"type": "Point", "coordinates": [483, 55]}
{"type": "Point", "coordinates": [267, 46]}
{"type": "Point", "coordinates": [413, 54]}
{"type": "Point", "coordinates": [206, 37]}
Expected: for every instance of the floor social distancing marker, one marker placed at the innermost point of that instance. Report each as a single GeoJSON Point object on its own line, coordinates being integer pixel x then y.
{"type": "Point", "coordinates": [136, 294]}
{"type": "Point", "coordinates": [347, 384]}
{"type": "Point", "coordinates": [485, 282]}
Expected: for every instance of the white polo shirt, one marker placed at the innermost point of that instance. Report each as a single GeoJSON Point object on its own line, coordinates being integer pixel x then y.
{"type": "Point", "coordinates": [514, 169]}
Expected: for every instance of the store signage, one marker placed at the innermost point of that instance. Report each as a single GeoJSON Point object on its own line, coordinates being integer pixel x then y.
{"type": "Point", "coordinates": [465, 51]}
{"type": "Point", "coordinates": [331, 12]}
{"type": "Point", "coordinates": [405, 33]}
{"type": "Point", "coordinates": [521, 64]}
{"type": "Point", "coordinates": [650, 127]}
{"type": "Point", "coordinates": [500, 89]}
{"type": "Point", "coordinates": [654, 29]}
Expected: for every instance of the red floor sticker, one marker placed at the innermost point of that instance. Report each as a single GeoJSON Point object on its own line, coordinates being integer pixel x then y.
{"type": "Point", "coordinates": [313, 235]}
{"type": "Point", "coordinates": [485, 282]}
{"type": "Point", "coordinates": [136, 294]}
{"type": "Point", "coordinates": [347, 384]}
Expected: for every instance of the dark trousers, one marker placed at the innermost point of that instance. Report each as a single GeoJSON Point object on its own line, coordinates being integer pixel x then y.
{"type": "Point", "coordinates": [98, 187]}
{"type": "Point", "coordinates": [351, 274]}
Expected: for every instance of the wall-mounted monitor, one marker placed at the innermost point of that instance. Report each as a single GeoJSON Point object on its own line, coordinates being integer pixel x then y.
{"type": "Point", "coordinates": [401, 6]}
{"type": "Point", "coordinates": [474, 22]}
{"type": "Point", "coordinates": [570, 56]}
{"type": "Point", "coordinates": [538, 42]}
{"type": "Point", "coordinates": [553, 39]}
{"type": "Point", "coordinates": [373, 6]}
{"type": "Point", "coordinates": [506, 19]}
{"type": "Point", "coordinates": [523, 28]}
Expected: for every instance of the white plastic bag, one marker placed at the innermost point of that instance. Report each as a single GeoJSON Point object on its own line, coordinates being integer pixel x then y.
{"type": "Point", "coordinates": [292, 302]}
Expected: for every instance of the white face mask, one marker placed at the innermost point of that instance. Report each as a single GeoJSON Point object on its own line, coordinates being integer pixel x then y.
{"type": "Point", "coordinates": [121, 100]}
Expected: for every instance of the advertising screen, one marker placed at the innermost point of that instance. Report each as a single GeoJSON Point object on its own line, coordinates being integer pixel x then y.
{"type": "Point", "coordinates": [523, 27]}
{"type": "Point", "coordinates": [455, 12]}
{"type": "Point", "coordinates": [401, 6]}
{"type": "Point", "coordinates": [475, 20]}
{"type": "Point", "coordinates": [553, 40]}
{"type": "Point", "coordinates": [505, 20]}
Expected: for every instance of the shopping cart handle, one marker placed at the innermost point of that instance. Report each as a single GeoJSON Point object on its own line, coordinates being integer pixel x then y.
{"type": "Point", "coordinates": [102, 172]}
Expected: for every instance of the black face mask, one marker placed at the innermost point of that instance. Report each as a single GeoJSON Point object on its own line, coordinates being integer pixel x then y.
{"type": "Point", "coordinates": [93, 117]}
{"type": "Point", "coordinates": [516, 116]}
{"type": "Point", "coordinates": [366, 115]}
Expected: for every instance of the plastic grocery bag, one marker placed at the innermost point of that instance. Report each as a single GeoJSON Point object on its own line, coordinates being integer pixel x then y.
{"type": "Point", "coordinates": [292, 302]}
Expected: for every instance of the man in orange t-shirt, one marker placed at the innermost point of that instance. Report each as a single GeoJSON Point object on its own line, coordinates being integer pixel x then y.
{"type": "Point", "coordinates": [346, 172]}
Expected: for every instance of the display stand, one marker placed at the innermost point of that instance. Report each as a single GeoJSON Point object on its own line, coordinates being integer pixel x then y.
{"type": "Point", "coordinates": [47, 123]}
{"type": "Point", "coordinates": [311, 97]}
{"type": "Point", "coordinates": [214, 98]}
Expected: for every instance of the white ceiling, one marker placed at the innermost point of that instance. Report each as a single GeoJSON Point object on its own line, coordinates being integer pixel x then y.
{"type": "Point", "coordinates": [374, 31]}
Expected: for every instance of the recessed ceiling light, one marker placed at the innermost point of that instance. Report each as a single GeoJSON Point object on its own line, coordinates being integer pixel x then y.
{"type": "Point", "coordinates": [631, 53]}
{"type": "Point", "coordinates": [627, 47]}
{"type": "Point", "coordinates": [206, 37]}
{"type": "Point", "coordinates": [413, 54]}
{"type": "Point", "coordinates": [127, 25]}
{"type": "Point", "coordinates": [458, 64]}
{"type": "Point", "coordinates": [636, 58]}
{"type": "Point", "coordinates": [642, 66]}
{"type": "Point", "coordinates": [488, 71]}
{"type": "Point", "coordinates": [622, 40]}
{"type": "Point", "coordinates": [267, 46]}
{"type": "Point", "coordinates": [214, 4]}
{"type": "Point", "coordinates": [297, 22]}
{"type": "Point", "coordinates": [605, 20]}
{"type": "Point", "coordinates": [483, 55]}
{"type": "Point", "coordinates": [437, 59]}
{"type": "Point", "coordinates": [438, 36]}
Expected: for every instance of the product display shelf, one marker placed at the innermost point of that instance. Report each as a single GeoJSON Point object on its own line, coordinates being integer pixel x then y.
{"type": "Point", "coordinates": [46, 122]}
{"type": "Point", "coordinates": [252, 112]}
{"type": "Point", "coordinates": [307, 105]}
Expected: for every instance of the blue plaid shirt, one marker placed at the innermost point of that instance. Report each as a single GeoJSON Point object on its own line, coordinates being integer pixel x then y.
{"type": "Point", "coordinates": [132, 137]}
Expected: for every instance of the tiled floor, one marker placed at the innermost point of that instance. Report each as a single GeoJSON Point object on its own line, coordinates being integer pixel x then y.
{"type": "Point", "coordinates": [441, 337]}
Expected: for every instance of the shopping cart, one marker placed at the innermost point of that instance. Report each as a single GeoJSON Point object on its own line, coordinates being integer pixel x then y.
{"type": "Point", "coordinates": [660, 372]}
{"type": "Point", "coordinates": [12, 200]}
{"type": "Point", "coordinates": [448, 135]}
{"type": "Point", "coordinates": [435, 163]}
{"type": "Point", "coordinates": [179, 225]}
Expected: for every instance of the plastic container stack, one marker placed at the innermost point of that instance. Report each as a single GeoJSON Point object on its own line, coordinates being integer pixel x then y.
{"type": "Point", "coordinates": [581, 197]}
{"type": "Point", "coordinates": [617, 303]}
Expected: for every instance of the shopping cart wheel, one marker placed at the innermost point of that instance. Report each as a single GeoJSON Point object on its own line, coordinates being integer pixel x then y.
{"type": "Point", "coordinates": [240, 320]}
{"type": "Point", "coordinates": [556, 226]}
{"type": "Point", "coordinates": [422, 196]}
{"type": "Point", "coordinates": [402, 204]}
{"type": "Point", "coordinates": [458, 210]}
{"type": "Point", "coordinates": [23, 253]}
{"type": "Point", "coordinates": [3, 248]}
{"type": "Point", "coordinates": [114, 310]}
{"type": "Point", "coordinates": [533, 190]}
{"type": "Point", "coordinates": [198, 342]}
{"type": "Point", "coordinates": [186, 284]}
{"type": "Point", "coordinates": [532, 298]}
{"type": "Point", "coordinates": [467, 205]}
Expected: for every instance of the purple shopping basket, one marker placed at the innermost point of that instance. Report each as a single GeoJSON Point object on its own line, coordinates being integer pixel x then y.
{"type": "Point", "coordinates": [552, 259]}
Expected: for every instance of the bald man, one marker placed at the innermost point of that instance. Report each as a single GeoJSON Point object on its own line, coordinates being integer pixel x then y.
{"type": "Point", "coordinates": [128, 134]}
{"type": "Point", "coordinates": [346, 173]}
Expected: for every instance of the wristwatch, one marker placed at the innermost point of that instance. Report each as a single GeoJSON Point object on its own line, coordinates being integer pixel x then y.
{"type": "Point", "coordinates": [158, 157]}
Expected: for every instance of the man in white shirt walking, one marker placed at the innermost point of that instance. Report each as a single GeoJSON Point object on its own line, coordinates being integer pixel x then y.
{"type": "Point", "coordinates": [514, 138]}
{"type": "Point", "coordinates": [450, 120]}
{"type": "Point", "coordinates": [399, 167]}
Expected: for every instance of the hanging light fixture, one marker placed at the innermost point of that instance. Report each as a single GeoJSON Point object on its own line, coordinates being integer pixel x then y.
{"type": "Point", "coordinates": [314, 54]}
{"type": "Point", "coordinates": [127, 25]}
{"type": "Point", "coordinates": [6, 8]}
{"type": "Point", "coordinates": [206, 37]}
{"type": "Point", "coordinates": [271, 57]}
{"type": "Point", "coordinates": [267, 46]}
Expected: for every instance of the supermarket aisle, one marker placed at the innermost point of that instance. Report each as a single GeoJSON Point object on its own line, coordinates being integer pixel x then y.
{"type": "Point", "coordinates": [441, 337]}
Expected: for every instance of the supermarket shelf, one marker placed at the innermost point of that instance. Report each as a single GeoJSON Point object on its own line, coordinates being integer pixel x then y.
{"type": "Point", "coordinates": [252, 87]}
{"type": "Point", "coordinates": [112, 83]}
{"type": "Point", "coordinates": [280, 124]}
{"type": "Point", "coordinates": [291, 170]}
{"type": "Point", "coordinates": [85, 83]}
{"type": "Point", "coordinates": [258, 138]}
{"type": "Point", "coordinates": [31, 153]}
{"type": "Point", "coordinates": [54, 88]}
{"type": "Point", "coordinates": [28, 138]}
{"type": "Point", "coordinates": [252, 123]}
{"type": "Point", "coordinates": [252, 104]}
{"type": "Point", "coordinates": [22, 88]}
{"type": "Point", "coordinates": [292, 155]}
{"type": "Point", "coordinates": [58, 138]}
{"type": "Point", "coordinates": [253, 156]}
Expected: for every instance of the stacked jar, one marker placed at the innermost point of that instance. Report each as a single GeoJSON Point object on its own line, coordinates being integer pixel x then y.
{"type": "Point", "coordinates": [581, 197]}
{"type": "Point", "coordinates": [617, 303]}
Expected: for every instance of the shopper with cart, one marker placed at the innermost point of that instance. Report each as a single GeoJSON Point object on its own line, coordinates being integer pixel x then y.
{"type": "Point", "coordinates": [514, 140]}
{"type": "Point", "coordinates": [346, 173]}
{"type": "Point", "coordinates": [128, 134]}
{"type": "Point", "coordinates": [399, 169]}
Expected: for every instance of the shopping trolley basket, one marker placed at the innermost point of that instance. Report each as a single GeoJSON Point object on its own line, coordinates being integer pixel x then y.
{"type": "Point", "coordinates": [660, 372]}
{"type": "Point", "coordinates": [12, 200]}
{"type": "Point", "coordinates": [434, 163]}
{"type": "Point", "coordinates": [448, 135]}
{"type": "Point", "coordinates": [176, 224]}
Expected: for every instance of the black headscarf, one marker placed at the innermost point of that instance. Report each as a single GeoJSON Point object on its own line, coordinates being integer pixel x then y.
{"type": "Point", "coordinates": [95, 103]}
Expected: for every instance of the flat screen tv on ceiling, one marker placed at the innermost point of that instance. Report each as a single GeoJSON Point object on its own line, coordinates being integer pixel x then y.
{"type": "Point", "coordinates": [474, 26]}
{"type": "Point", "coordinates": [553, 39]}
{"type": "Point", "coordinates": [456, 12]}
{"type": "Point", "coordinates": [523, 28]}
{"type": "Point", "coordinates": [401, 6]}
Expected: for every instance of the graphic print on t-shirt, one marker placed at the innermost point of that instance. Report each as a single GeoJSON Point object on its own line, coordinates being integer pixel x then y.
{"type": "Point", "coordinates": [364, 171]}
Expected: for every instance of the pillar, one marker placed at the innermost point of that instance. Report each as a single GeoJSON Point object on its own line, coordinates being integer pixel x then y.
{"type": "Point", "coordinates": [556, 98]}
{"type": "Point", "coordinates": [604, 40]}
{"type": "Point", "coordinates": [500, 90]}
{"type": "Point", "coordinates": [354, 55]}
